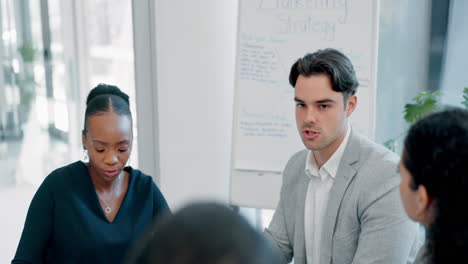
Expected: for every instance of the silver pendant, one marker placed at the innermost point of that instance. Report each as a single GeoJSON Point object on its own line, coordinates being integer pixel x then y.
{"type": "Point", "coordinates": [108, 210]}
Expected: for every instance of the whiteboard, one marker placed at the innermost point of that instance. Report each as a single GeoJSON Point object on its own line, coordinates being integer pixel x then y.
{"type": "Point", "coordinates": [272, 35]}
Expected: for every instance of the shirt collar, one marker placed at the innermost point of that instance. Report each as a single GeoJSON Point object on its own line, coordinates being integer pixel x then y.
{"type": "Point", "coordinates": [331, 166]}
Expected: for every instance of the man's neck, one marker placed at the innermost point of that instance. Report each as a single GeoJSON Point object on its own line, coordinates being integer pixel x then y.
{"type": "Point", "coordinates": [319, 159]}
{"type": "Point", "coordinates": [322, 156]}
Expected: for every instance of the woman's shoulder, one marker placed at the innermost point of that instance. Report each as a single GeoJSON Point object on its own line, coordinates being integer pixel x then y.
{"type": "Point", "coordinates": [62, 179]}
{"type": "Point", "coordinates": [72, 168]}
{"type": "Point", "coordinates": [66, 173]}
{"type": "Point", "coordinates": [143, 185]}
{"type": "Point", "coordinates": [140, 180]}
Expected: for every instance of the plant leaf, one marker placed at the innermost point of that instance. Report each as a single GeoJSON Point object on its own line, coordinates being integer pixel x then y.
{"type": "Point", "coordinates": [391, 144]}
{"type": "Point", "coordinates": [424, 103]}
{"type": "Point", "coordinates": [27, 52]}
{"type": "Point", "coordinates": [465, 97]}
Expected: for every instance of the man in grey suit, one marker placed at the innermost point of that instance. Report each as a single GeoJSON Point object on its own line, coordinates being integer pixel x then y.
{"type": "Point", "coordinates": [339, 200]}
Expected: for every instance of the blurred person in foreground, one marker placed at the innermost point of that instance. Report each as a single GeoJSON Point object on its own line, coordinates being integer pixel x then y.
{"type": "Point", "coordinates": [434, 184]}
{"type": "Point", "coordinates": [203, 233]}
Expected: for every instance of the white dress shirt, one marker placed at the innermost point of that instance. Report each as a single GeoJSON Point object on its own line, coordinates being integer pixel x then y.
{"type": "Point", "coordinates": [321, 181]}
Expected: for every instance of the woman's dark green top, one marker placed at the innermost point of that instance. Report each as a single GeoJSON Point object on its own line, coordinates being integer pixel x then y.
{"type": "Point", "coordinates": [66, 224]}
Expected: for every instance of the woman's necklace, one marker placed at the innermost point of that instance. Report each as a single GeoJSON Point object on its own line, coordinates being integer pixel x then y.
{"type": "Point", "coordinates": [108, 208]}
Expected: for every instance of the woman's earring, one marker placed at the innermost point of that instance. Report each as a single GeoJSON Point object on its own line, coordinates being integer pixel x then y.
{"type": "Point", "coordinates": [85, 155]}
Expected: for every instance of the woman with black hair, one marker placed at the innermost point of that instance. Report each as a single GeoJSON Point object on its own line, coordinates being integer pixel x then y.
{"type": "Point", "coordinates": [91, 212]}
{"type": "Point", "coordinates": [434, 186]}
{"type": "Point", "coordinates": [203, 233]}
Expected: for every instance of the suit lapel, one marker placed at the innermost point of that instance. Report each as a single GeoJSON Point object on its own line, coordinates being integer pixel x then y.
{"type": "Point", "coordinates": [299, 225]}
{"type": "Point", "coordinates": [346, 171]}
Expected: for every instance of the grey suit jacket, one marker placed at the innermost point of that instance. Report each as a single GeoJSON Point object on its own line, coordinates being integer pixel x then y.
{"type": "Point", "coordinates": [364, 221]}
{"type": "Point", "coordinates": [422, 257]}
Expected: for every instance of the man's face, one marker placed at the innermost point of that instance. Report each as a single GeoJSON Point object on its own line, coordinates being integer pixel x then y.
{"type": "Point", "coordinates": [321, 115]}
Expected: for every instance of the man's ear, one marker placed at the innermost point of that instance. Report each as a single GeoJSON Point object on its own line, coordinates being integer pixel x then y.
{"type": "Point", "coordinates": [351, 104]}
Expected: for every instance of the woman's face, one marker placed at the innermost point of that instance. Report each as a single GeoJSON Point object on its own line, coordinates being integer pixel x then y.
{"type": "Point", "coordinates": [416, 201]}
{"type": "Point", "coordinates": [109, 143]}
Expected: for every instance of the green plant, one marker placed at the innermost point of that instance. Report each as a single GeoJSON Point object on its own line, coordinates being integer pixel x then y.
{"type": "Point", "coordinates": [423, 104]}
{"type": "Point", "coordinates": [465, 97]}
{"type": "Point", "coordinates": [28, 53]}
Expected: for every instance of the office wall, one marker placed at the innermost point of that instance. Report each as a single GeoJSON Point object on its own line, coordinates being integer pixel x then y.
{"type": "Point", "coordinates": [403, 57]}
{"type": "Point", "coordinates": [195, 43]}
{"type": "Point", "coordinates": [454, 77]}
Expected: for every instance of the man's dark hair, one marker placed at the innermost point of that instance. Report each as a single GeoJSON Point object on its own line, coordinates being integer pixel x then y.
{"type": "Point", "coordinates": [106, 98]}
{"type": "Point", "coordinates": [330, 62]}
{"type": "Point", "coordinates": [203, 233]}
{"type": "Point", "coordinates": [436, 156]}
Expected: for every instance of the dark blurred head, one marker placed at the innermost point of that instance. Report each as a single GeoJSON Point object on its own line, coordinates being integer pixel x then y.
{"type": "Point", "coordinates": [436, 154]}
{"type": "Point", "coordinates": [333, 64]}
{"type": "Point", "coordinates": [434, 169]}
{"type": "Point", "coordinates": [204, 233]}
